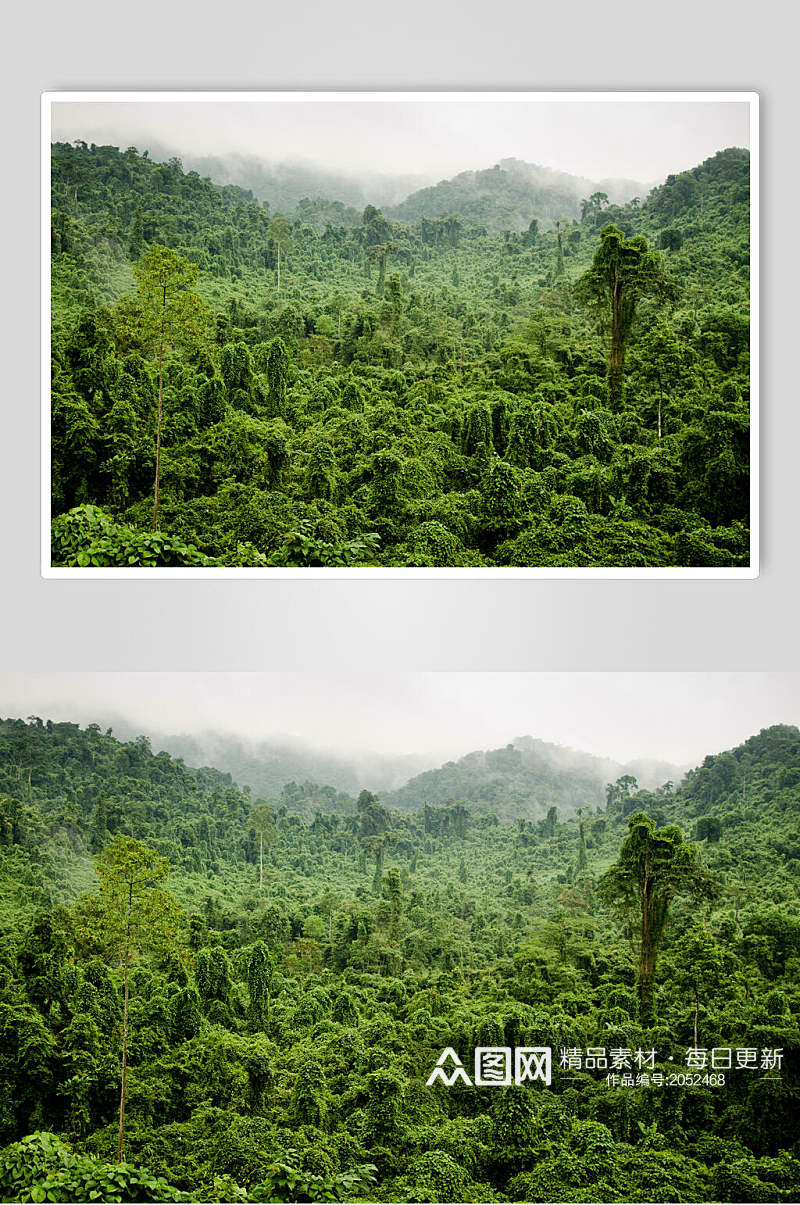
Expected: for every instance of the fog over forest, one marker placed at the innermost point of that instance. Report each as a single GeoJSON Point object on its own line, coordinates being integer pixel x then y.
{"type": "Point", "coordinates": [420, 142]}
{"type": "Point", "coordinates": [395, 722]}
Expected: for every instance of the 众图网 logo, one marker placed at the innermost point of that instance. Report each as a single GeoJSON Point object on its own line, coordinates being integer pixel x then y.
{"type": "Point", "coordinates": [495, 1067]}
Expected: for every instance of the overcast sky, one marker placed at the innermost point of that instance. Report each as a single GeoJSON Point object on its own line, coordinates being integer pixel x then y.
{"type": "Point", "coordinates": [676, 717]}
{"type": "Point", "coordinates": [639, 140]}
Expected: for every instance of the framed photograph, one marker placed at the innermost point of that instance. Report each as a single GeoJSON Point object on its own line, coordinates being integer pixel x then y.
{"type": "Point", "coordinates": [400, 334]}
{"type": "Point", "coordinates": [534, 940]}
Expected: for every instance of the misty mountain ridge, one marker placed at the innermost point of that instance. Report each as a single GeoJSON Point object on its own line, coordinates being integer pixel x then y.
{"type": "Point", "coordinates": [506, 196]}
{"type": "Point", "coordinates": [527, 777]}
{"type": "Point", "coordinates": [521, 779]}
{"type": "Point", "coordinates": [525, 782]}
{"type": "Point", "coordinates": [649, 772]}
{"type": "Point", "coordinates": [511, 194]}
{"type": "Point", "coordinates": [283, 184]}
{"type": "Point", "coordinates": [266, 766]}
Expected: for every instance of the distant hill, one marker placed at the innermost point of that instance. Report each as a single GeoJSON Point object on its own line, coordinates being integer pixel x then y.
{"type": "Point", "coordinates": [523, 783]}
{"type": "Point", "coordinates": [503, 197]}
{"type": "Point", "coordinates": [510, 194]}
{"type": "Point", "coordinates": [524, 779]}
{"type": "Point", "coordinates": [267, 766]}
{"type": "Point", "coordinates": [757, 782]}
{"type": "Point", "coordinates": [283, 185]}
{"type": "Point", "coordinates": [716, 191]}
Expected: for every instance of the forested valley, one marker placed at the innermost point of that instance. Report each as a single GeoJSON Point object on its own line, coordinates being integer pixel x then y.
{"type": "Point", "coordinates": [268, 984]}
{"type": "Point", "coordinates": [451, 383]}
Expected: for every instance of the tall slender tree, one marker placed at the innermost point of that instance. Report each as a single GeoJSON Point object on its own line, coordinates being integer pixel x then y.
{"type": "Point", "coordinates": [170, 314]}
{"type": "Point", "coordinates": [281, 236]}
{"type": "Point", "coordinates": [137, 914]}
{"type": "Point", "coordinates": [661, 365]}
{"type": "Point", "coordinates": [262, 820]}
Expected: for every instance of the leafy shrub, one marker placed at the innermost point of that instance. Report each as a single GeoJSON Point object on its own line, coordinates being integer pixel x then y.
{"type": "Point", "coordinates": [41, 1167]}
{"type": "Point", "coordinates": [89, 538]}
{"type": "Point", "coordinates": [288, 1182]}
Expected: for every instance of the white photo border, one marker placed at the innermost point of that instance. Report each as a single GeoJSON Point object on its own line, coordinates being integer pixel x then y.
{"type": "Point", "coordinates": [49, 98]}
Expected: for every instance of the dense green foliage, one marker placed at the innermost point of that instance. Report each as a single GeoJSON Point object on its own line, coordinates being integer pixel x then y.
{"type": "Point", "coordinates": [353, 390]}
{"type": "Point", "coordinates": [281, 1039]}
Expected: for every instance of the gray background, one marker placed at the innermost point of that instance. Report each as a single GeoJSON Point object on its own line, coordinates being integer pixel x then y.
{"type": "Point", "coordinates": [431, 624]}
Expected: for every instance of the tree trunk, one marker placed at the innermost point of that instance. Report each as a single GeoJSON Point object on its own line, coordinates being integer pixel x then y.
{"type": "Point", "coordinates": [647, 956]}
{"type": "Point", "coordinates": [660, 405]}
{"type": "Point", "coordinates": [646, 989]}
{"type": "Point", "coordinates": [616, 358]}
{"type": "Point", "coordinates": [160, 407]}
{"type": "Point", "coordinates": [261, 863]}
{"type": "Point", "coordinates": [696, 1011]}
{"type": "Point", "coordinates": [125, 1029]}
{"type": "Point", "coordinates": [279, 269]}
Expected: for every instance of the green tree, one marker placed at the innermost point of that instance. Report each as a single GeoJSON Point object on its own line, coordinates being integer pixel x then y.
{"type": "Point", "coordinates": [260, 972]}
{"type": "Point", "coordinates": [618, 792]}
{"type": "Point", "coordinates": [137, 914]}
{"type": "Point", "coordinates": [375, 848]}
{"type": "Point", "coordinates": [281, 236]}
{"type": "Point", "coordinates": [212, 974]}
{"type": "Point", "coordinates": [379, 253]}
{"type": "Point", "coordinates": [654, 866]}
{"type": "Point", "coordinates": [559, 250]}
{"type": "Point", "coordinates": [170, 314]}
{"type": "Point", "coordinates": [699, 963]}
{"type": "Point", "coordinates": [100, 824]}
{"type": "Point", "coordinates": [622, 273]}
{"type": "Point", "coordinates": [310, 1097]}
{"type": "Point", "coordinates": [592, 206]}
{"type": "Point", "coordinates": [661, 364]}
{"type": "Point", "coordinates": [263, 821]}
{"type": "Point", "coordinates": [277, 376]}
{"type": "Point", "coordinates": [582, 860]}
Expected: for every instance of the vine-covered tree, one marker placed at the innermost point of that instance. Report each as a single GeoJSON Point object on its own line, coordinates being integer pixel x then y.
{"type": "Point", "coordinates": [623, 272]}
{"type": "Point", "coordinates": [654, 866]}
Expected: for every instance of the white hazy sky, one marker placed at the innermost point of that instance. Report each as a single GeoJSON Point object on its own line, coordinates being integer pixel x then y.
{"type": "Point", "coordinates": [639, 140]}
{"type": "Point", "coordinates": [678, 717]}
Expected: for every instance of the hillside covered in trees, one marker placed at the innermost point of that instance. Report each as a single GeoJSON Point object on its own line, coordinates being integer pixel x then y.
{"type": "Point", "coordinates": [520, 780]}
{"type": "Point", "coordinates": [453, 385]}
{"type": "Point", "coordinates": [510, 195]}
{"type": "Point", "coordinates": [279, 988]}
{"type": "Point", "coordinates": [524, 780]}
{"type": "Point", "coordinates": [266, 765]}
